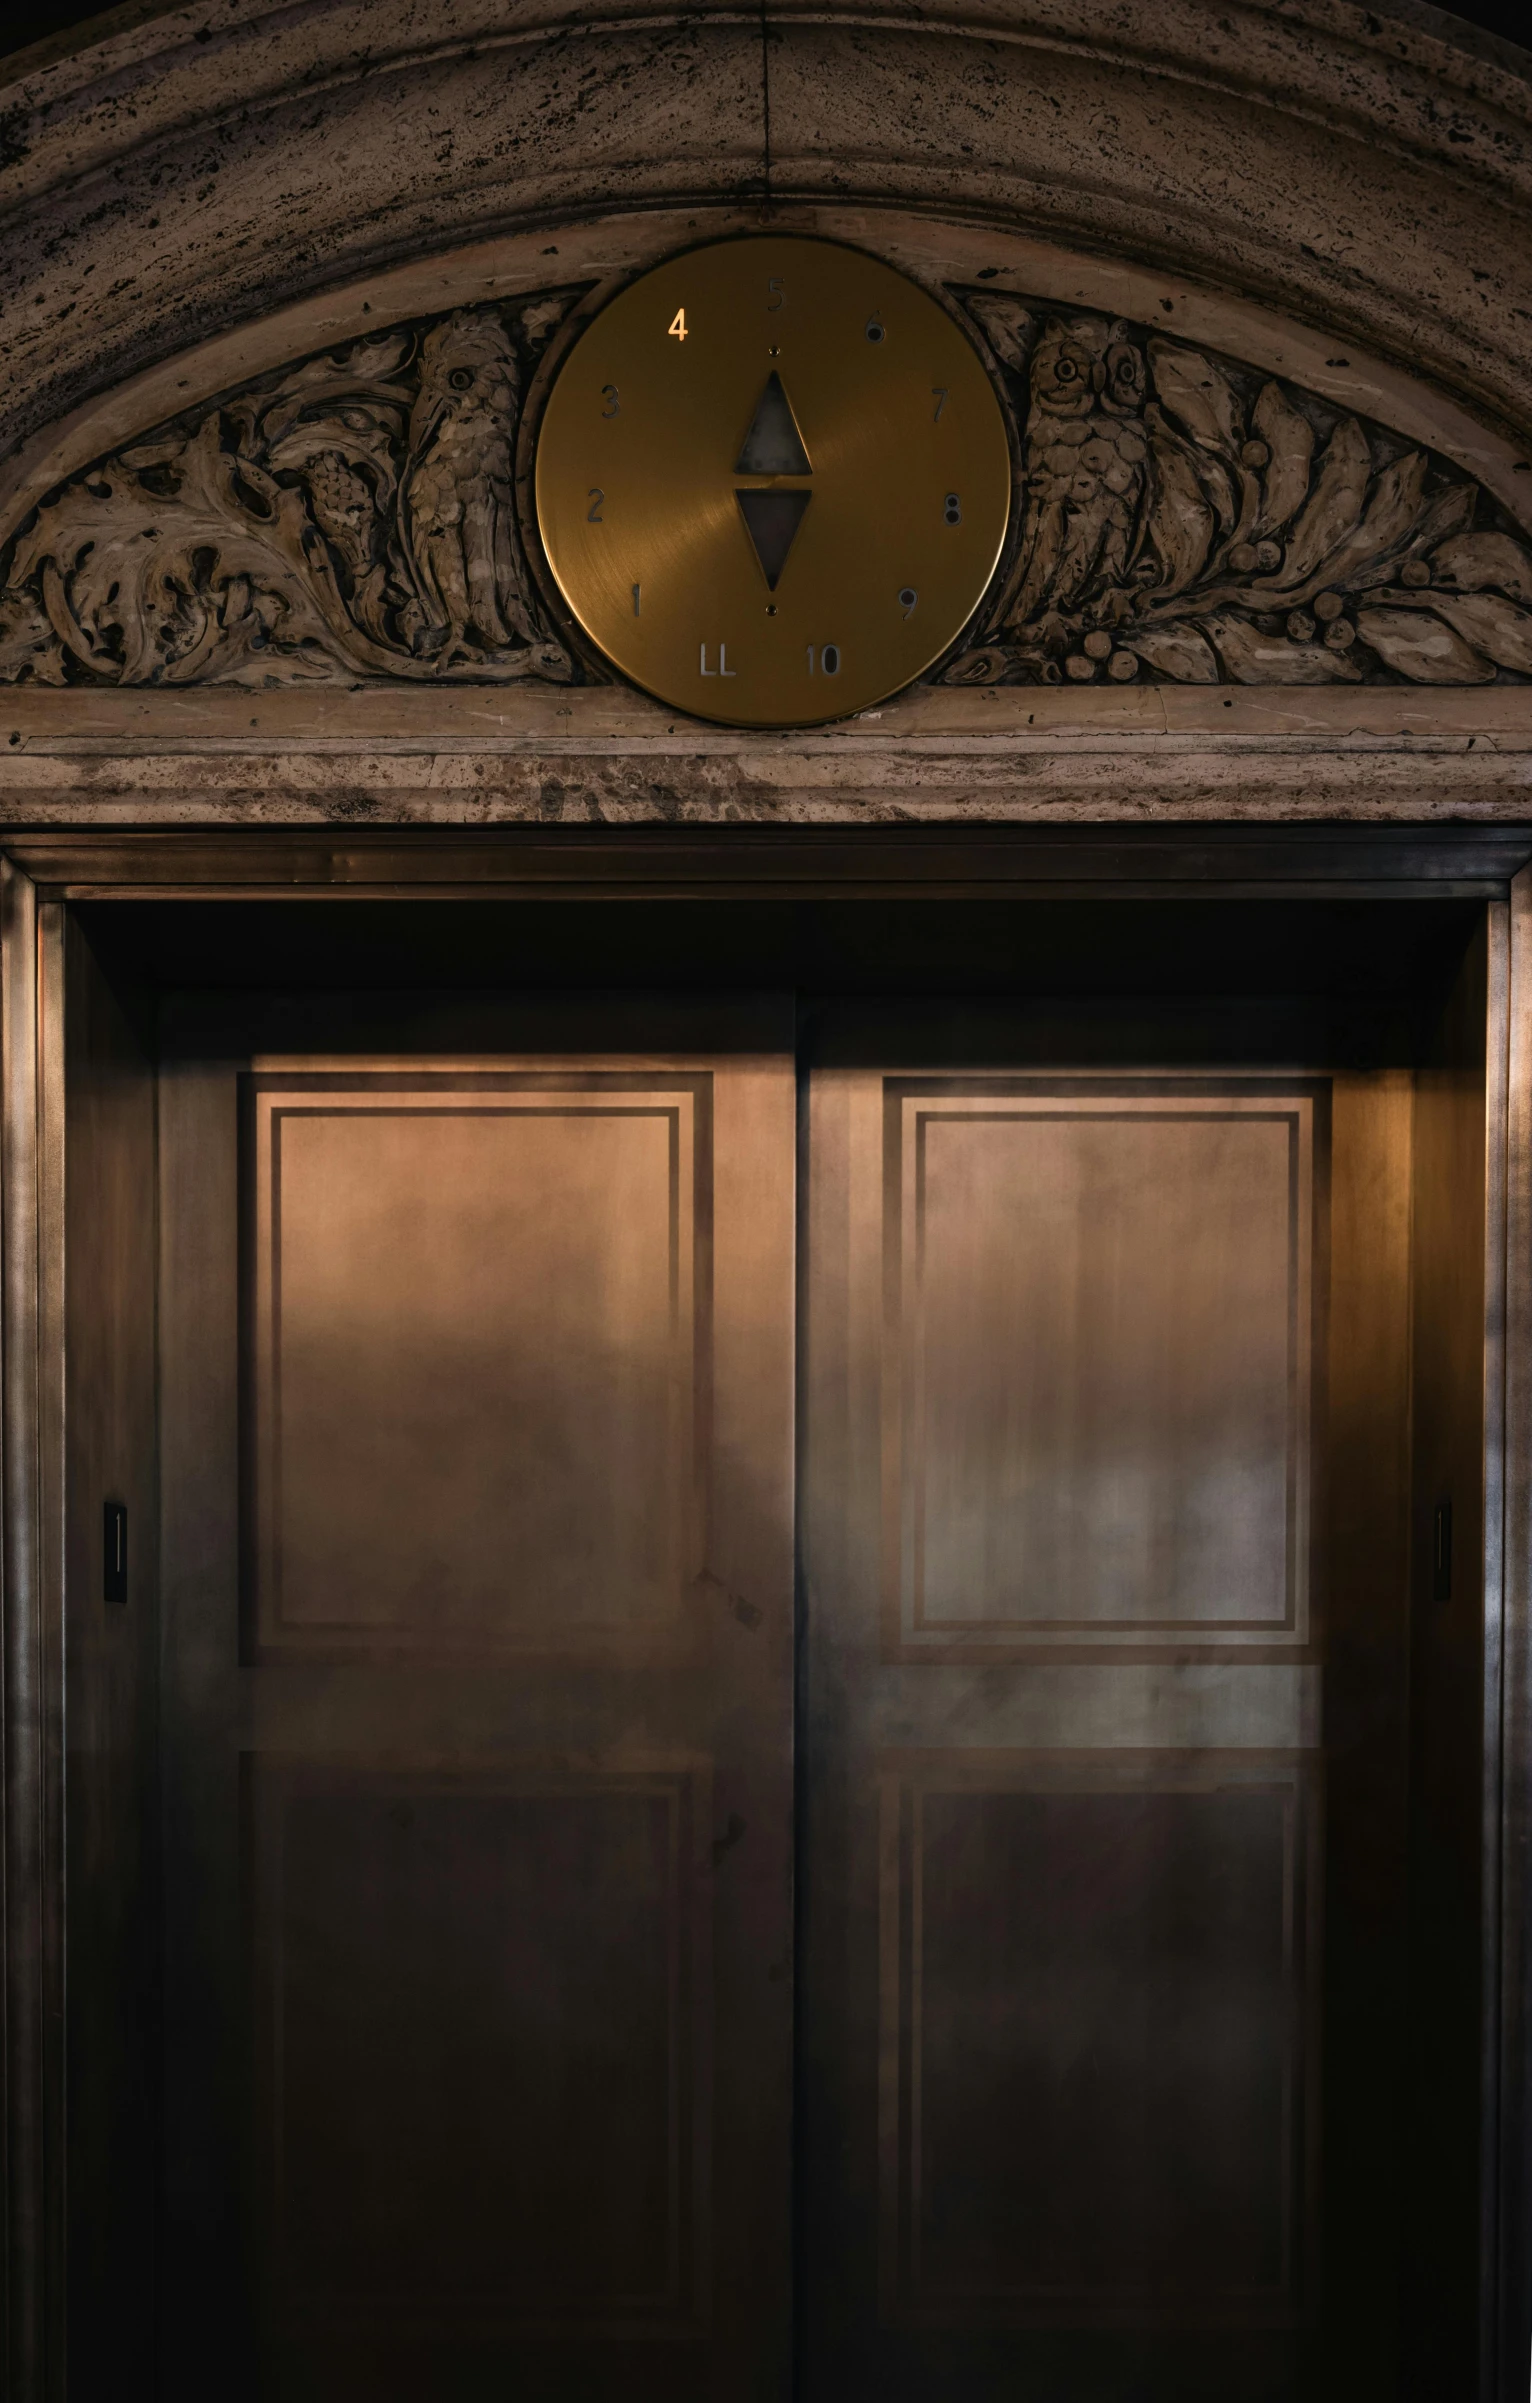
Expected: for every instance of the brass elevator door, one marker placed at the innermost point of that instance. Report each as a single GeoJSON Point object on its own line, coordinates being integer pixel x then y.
{"type": "Point", "coordinates": [1084, 2110]}
{"type": "Point", "coordinates": [477, 1366]}
{"type": "Point", "coordinates": [783, 1710]}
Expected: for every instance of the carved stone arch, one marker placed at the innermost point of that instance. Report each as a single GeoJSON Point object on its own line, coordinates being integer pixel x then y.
{"type": "Point", "coordinates": [1351, 172]}
{"type": "Point", "coordinates": [1244, 505]}
{"type": "Point", "coordinates": [1315, 204]}
{"type": "Point", "coordinates": [1358, 168]}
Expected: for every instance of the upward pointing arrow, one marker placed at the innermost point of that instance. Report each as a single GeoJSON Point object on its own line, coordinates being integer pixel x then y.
{"type": "Point", "coordinates": [773, 446]}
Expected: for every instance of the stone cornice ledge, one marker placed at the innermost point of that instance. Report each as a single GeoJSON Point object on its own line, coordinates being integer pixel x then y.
{"type": "Point", "coordinates": [603, 757]}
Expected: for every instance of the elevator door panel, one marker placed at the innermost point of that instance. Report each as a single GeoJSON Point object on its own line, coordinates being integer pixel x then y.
{"type": "Point", "coordinates": [1061, 1729]}
{"type": "Point", "coordinates": [479, 1420]}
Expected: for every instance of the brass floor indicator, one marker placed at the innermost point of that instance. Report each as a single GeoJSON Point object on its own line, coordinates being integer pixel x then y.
{"type": "Point", "coordinates": [773, 481]}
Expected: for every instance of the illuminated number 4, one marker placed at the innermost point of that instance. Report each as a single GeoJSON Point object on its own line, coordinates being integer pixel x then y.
{"type": "Point", "coordinates": [677, 325]}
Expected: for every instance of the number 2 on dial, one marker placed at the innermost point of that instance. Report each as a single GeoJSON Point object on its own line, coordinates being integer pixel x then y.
{"type": "Point", "coordinates": [677, 325]}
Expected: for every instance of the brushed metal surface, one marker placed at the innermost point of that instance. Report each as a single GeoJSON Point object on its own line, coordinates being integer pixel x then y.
{"type": "Point", "coordinates": [1102, 2055]}
{"type": "Point", "coordinates": [478, 1871]}
{"type": "Point", "coordinates": [1097, 1426]}
{"type": "Point", "coordinates": [480, 1321]}
{"type": "Point", "coordinates": [642, 454]}
{"type": "Point", "coordinates": [1098, 2063]}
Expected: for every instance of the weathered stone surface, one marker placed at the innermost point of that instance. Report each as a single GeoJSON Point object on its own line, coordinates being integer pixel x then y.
{"type": "Point", "coordinates": [531, 755]}
{"type": "Point", "coordinates": [203, 165]}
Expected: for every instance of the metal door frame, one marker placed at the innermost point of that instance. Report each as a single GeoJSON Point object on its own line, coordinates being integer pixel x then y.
{"type": "Point", "coordinates": [41, 874]}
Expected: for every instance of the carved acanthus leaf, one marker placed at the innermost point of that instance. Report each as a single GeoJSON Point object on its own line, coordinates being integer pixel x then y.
{"type": "Point", "coordinates": [1271, 538]}
{"type": "Point", "coordinates": [349, 518]}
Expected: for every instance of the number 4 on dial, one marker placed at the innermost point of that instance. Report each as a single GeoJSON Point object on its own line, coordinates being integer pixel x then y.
{"type": "Point", "coordinates": [677, 325]}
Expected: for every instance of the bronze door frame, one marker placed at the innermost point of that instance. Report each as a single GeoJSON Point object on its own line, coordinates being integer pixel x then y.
{"type": "Point", "coordinates": [41, 875]}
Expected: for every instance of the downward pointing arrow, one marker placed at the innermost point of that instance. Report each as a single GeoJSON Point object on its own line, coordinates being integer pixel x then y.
{"type": "Point", "coordinates": [772, 520]}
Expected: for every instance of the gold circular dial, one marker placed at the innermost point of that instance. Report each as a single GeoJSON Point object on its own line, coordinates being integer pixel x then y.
{"type": "Point", "coordinates": [772, 481]}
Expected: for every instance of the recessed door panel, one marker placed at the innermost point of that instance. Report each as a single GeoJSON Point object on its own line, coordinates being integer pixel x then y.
{"type": "Point", "coordinates": [478, 2134]}
{"type": "Point", "coordinates": [1101, 1356]}
{"type": "Point", "coordinates": [1097, 2041]}
{"type": "Point", "coordinates": [468, 1291]}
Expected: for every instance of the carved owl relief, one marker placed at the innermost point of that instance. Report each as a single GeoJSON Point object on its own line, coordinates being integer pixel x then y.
{"type": "Point", "coordinates": [1188, 517]}
{"type": "Point", "coordinates": [1083, 458]}
{"type": "Point", "coordinates": [459, 508]}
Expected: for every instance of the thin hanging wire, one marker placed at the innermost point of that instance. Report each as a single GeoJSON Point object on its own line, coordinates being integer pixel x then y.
{"type": "Point", "coordinates": [765, 105]}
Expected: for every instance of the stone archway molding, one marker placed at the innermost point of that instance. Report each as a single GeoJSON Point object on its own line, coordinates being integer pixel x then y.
{"type": "Point", "coordinates": [1365, 170]}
